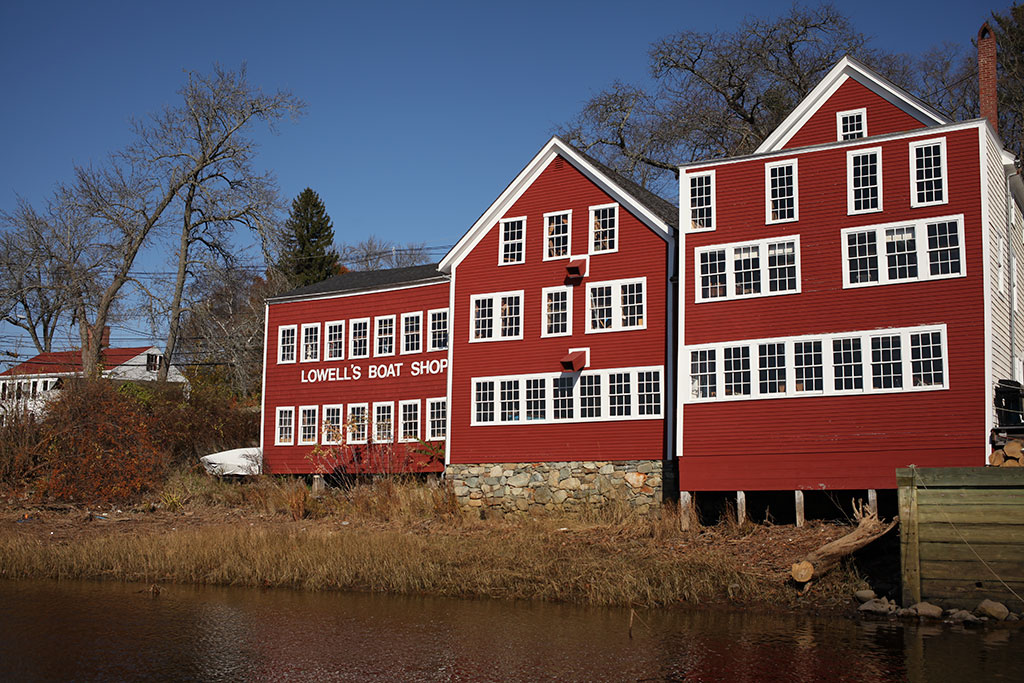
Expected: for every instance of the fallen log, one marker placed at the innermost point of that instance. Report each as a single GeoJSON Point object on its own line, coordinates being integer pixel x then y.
{"type": "Point", "coordinates": [819, 562]}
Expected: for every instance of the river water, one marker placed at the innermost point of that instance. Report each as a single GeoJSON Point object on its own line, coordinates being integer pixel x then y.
{"type": "Point", "coordinates": [112, 631]}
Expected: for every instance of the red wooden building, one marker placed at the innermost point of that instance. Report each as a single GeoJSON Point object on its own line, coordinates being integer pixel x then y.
{"type": "Point", "coordinates": [561, 342]}
{"type": "Point", "coordinates": [355, 374]}
{"type": "Point", "coordinates": [849, 292]}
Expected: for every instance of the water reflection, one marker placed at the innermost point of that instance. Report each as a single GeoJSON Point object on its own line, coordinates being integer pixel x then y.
{"type": "Point", "coordinates": [94, 631]}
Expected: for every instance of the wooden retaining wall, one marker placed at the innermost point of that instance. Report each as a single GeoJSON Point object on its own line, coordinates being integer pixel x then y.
{"type": "Point", "coordinates": [962, 535]}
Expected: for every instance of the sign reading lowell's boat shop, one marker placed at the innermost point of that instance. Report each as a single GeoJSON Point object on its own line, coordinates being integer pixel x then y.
{"type": "Point", "coordinates": [382, 371]}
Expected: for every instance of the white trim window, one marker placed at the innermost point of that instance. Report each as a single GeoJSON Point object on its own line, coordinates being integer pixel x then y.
{"type": "Point", "coordinates": [437, 419]}
{"type": "Point", "coordinates": [357, 423]}
{"type": "Point", "coordinates": [384, 422]}
{"type": "Point", "coordinates": [334, 340]}
{"type": "Point", "coordinates": [556, 315]}
{"type": "Point", "coordinates": [864, 180]}
{"type": "Point", "coordinates": [836, 364]}
{"type": "Point", "coordinates": [497, 316]}
{"type": "Point", "coordinates": [702, 200]}
{"type": "Point", "coordinates": [410, 421]}
{"type": "Point", "coordinates": [512, 242]}
{"type": "Point", "coordinates": [308, 425]}
{"type": "Point", "coordinates": [851, 124]}
{"type": "Point", "coordinates": [310, 342]}
{"type": "Point", "coordinates": [412, 332]}
{"type": "Point", "coordinates": [742, 270]}
{"type": "Point", "coordinates": [604, 229]}
{"type": "Point", "coordinates": [359, 338]}
{"type": "Point", "coordinates": [926, 249]}
{"type": "Point", "coordinates": [780, 192]}
{"type": "Point", "coordinates": [286, 343]}
{"type": "Point", "coordinates": [333, 422]}
{"type": "Point", "coordinates": [438, 329]}
{"type": "Point", "coordinates": [284, 421]}
{"type": "Point", "coordinates": [928, 173]}
{"type": "Point", "coordinates": [616, 305]}
{"type": "Point", "coordinates": [557, 235]}
{"type": "Point", "coordinates": [384, 335]}
{"type": "Point", "coordinates": [591, 395]}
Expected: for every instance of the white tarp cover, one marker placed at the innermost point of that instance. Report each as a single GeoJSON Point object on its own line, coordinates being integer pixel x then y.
{"type": "Point", "coordinates": [235, 461]}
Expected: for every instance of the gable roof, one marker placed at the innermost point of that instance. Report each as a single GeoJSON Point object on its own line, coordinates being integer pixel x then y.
{"type": "Point", "coordinates": [658, 214]}
{"type": "Point", "coordinates": [58, 362]}
{"type": "Point", "coordinates": [365, 280]}
{"type": "Point", "coordinates": [847, 68]}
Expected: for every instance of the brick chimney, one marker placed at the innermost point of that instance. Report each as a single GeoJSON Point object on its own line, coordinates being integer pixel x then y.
{"type": "Point", "coordinates": [987, 75]}
{"type": "Point", "coordinates": [104, 340]}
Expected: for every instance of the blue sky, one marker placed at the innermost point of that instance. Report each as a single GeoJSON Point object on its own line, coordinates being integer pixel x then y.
{"type": "Point", "coordinates": [419, 113]}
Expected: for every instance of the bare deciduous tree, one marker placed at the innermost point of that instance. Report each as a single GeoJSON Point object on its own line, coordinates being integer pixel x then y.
{"type": "Point", "coordinates": [374, 253]}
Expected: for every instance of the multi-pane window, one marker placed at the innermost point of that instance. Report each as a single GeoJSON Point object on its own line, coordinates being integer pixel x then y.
{"type": "Point", "coordinates": [740, 270]}
{"type": "Point", "coordinates": [557, 314]}
{"type": "Point", "coordinates": [928, 173]}
{"type": "Point", "coordinates": [359, 338]}
{"type": "Point", "coordinates": [509, 406]}
{"type": "Point", "coordinates": [886, 362]}
{"type": "Point", "coordinates": [438, 330]}
{"type": "Point", "coordinates": [557, 234]}
{"type": "Point", "coordinates": [383, 422]}
{"type": "Point", "coordinates": [311, 342]}
{"type": "Point", "coordinates": [908, 246]}
{"type": "Point", "coordinates": [483, 401]}
{"type": "Point", "coordinates": [702, 201]}
{"type": "Point", "coordinates": [437, 418]}
{"type": "Point", "coordinates": [807, 366]}
{"type": "Point", "coordinates": [497, 316]}
{"type": "Point", "coordinates": [410, 425]}
{"type": "Point", "coordinates": [703, 375]}
{"type": "Point", "coordinates": [357, 423]}
{"type": "Point", "coordinates": [616, 306]}
{"type": "Point", "coordinates": [619, 394]}
{"type": "Point", "coordinates": [604, 228]}
{"type": "Point", "coordinates": [307, 424]}
{"type": "Point", "coordinates": [412, 332]}
{"type": "Point", "coordinates": [285, 426]}
{"type": "Point", "coordinates": [536, 400]}
{"type": "Point", "coordinates": [648, 392]}
{"type": "Point", "coordinates": [771, 368]}
{"type": "Point", "coordinates": [851, 125]}
{"type": "Point", "coordinates": [847, 364]}
{"type": "Point", "coordinates": [590, 396]}
{"type": "Point", "coordinates": [513, 241]}
{"type": "Point", "coordinates": [926, 360]}
{"type": "Point", "coordinates": [864, 180]}
{"type": "Point", "coordinates": [335, 334]}
{"type": "Point", "coordinates": [385, 336]}
{"type": "Point", "coordinates": [333, 424]}
{"type": "Point", "coordinates": [780, 186]}
{"type": "Point", "coordinates": [737, 370]}
{"type": "Point", "coordinates": [286, 344]}
{"type": "Point", "coordinates": [562, 397]}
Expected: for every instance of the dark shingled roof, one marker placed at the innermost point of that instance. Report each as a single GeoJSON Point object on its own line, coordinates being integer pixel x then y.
{"type": "Point", "coordinates": [662, 208]}
{"type": "Point", "coordinates": [366, 280]}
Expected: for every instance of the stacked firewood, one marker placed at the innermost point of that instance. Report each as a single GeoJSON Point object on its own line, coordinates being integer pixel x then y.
{"type": "Point", "coordinates": [1010, 455]}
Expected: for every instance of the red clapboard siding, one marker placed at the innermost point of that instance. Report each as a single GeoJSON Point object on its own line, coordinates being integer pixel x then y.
{"type": "Point", "coordinates": [841, 441]}
{"type": "Point", "coordinates": [283, 385]}
{"type": "Point", "coordinates": [882, 116]}
{"type": "Point", "coordinates": [641, 253]}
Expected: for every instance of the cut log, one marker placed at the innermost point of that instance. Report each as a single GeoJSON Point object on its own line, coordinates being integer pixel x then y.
{"type": "Point", "coordinates": [826, 557]}
{"type": "Point", "coordinates": [1010, 462]}
{"type": "Point", "coordinates": [997, 458]}
{"type": "Point", "coordinates": [1013, 449]}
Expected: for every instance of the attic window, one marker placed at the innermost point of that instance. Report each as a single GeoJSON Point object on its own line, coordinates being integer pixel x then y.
{"type": "Point", "coordinates": [153, 362]}
{"type": "Point", "coordinates": [851, 125]}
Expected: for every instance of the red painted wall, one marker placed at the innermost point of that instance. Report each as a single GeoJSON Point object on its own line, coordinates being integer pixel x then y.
{"type": "Point", "coordinates": [840, 442]}
{"type": "Point", "coordinates": [283, 385]}
{"type": "Point", "coordinates": [641, 253]}
{"type": "Point", "coordinates": [883, 117]}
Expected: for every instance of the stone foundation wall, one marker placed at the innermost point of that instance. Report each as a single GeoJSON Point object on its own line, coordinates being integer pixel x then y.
{"type": "Point", "coordinates": [533, 487]}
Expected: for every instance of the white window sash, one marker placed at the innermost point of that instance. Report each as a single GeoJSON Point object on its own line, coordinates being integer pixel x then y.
{"type": "Point", "coordinates": [295, 346]}
{"type": "Point", "coordinates": [412, 316]}
{"type": "Point", "coordinates": [315, 357]}
{"type": "Point", "coordinates": [328, 437]}
{"type": "Point", "coordinates": [840, 115]}
{"type": "Point", "coordinates": [502, 242]}
{"type": "Point", "coordinates": [686, 199]}
{"type": "Point", "coordinates": [401, 421]}
{"type": "Point", "coordinates": [496, 331]}
{"type": "Point", "coordinates": [924, 271]}
{"type": "Point", "coordinates": [590, 233]}
{"type": "Point", "coordinates": [290, 411]}
{"type": "Point", "coordinates": [377, 336]}
{"type": "Point", "coordinates": [768, 167]}
{"type": "Point", "coordinates": [941, 142]}
{"type": "Point", "coordinates": [544, 332]}
{"type": "Point", "coordinates": [616, 305]}
{"type": "Point", "coordinates": [547, 235]}
{"type": "Point", "coordinates": [730, 270]}
{"type": "Point", "coordinates": [303, 412]}
{"type": "Point", "coordinates": [850, 155]}
{"type": "Point", "coordinates": [350, 422]}
{"type": "Point", "coordinates": [352, 338]}
{"type": "Point", "coordinates": [390, 405]}
{"type": "Point", "coordinates": [328, 326]}
{"type": "Point", "coordinates": [432, 434]}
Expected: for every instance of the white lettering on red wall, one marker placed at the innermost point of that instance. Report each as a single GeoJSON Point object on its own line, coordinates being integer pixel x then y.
{"type": "Point", "coordinates": [382, 371]}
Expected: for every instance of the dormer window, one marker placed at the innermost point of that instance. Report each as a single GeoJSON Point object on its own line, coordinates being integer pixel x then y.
{"type": "Point", "coordinates": [852, 125]}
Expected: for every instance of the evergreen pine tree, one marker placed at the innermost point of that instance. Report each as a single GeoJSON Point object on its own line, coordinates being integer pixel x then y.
{"type": "Point", "coordinates": [309, 254]}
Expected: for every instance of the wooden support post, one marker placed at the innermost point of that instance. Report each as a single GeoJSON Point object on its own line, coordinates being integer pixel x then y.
{"type": "Point", "coordinates": [910, 558]}
{"type": "Point", "coordinates": [741, 507]}
{"type": "Point", "coordinates": [685, 509]}
{"type": "Point", "coordinates": [318, 485]}
{"type": "Point", "coordinates": [798, 497]}
{"type": "Point", "coordinates": [873, 501]}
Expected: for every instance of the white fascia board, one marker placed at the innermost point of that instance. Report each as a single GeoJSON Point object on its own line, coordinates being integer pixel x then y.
{"type": "Point", "coordinates": [554, 148]}
{"type": "Point", "coordinates": [847, 68]}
